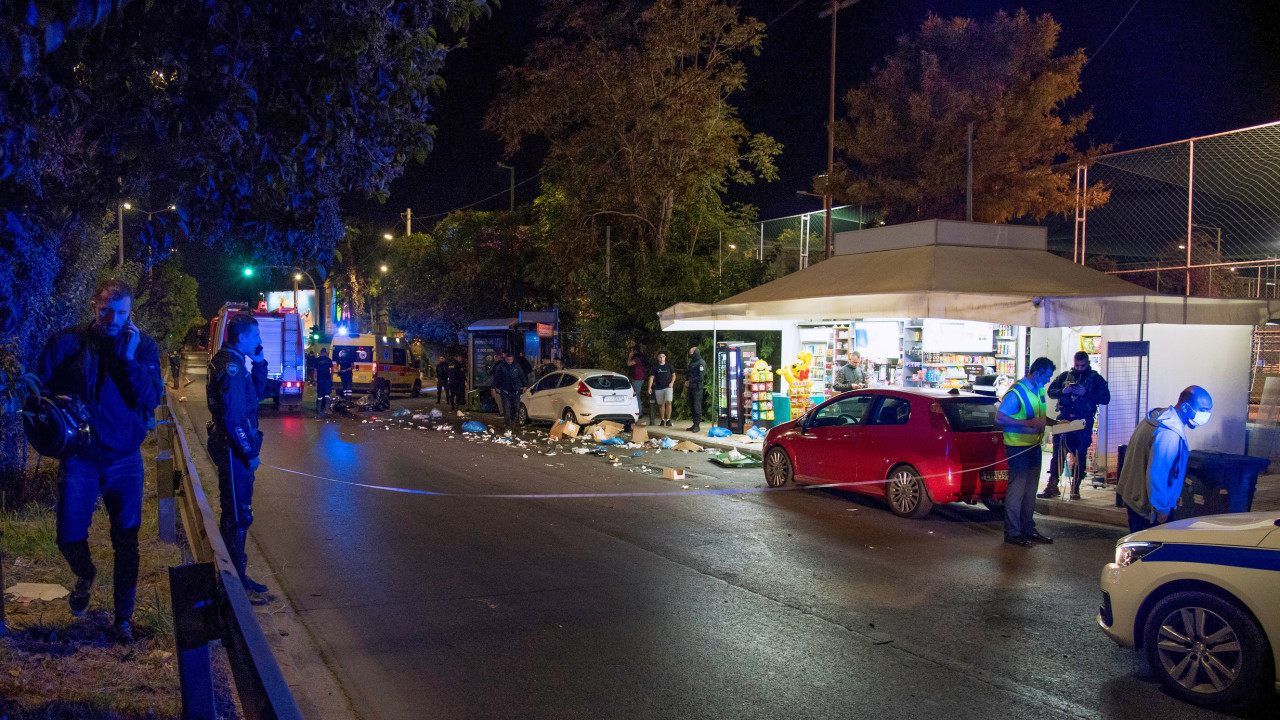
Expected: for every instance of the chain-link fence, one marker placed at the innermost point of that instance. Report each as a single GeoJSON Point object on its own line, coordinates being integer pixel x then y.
{"type": "Point", "coordinates": [1211, 203]}
{"type": "Point", "coordinates": [790, 243]}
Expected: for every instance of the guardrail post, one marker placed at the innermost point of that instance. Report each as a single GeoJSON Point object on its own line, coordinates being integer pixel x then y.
{"type": "Point", "coordinates": [194, 589]}
{"type": "Point", "coordinates": [165, 476]}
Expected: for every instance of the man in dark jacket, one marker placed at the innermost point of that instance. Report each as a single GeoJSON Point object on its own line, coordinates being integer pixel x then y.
{"type": "Point", "coordinates": [509, 381]}
{"type": "Point", "coordinates": [442, 376]}
{"type": "Point", "coordinates": [113, 368]}
{"type": "Point", "coordinates": [1079, 391]}
{"type": "Point", "coordinates": [693, 384]}
{"type": "Point", "coordinates": [456, 383]}
{"type": "Point", "coordinates": [323, 368]}
{"type": "Point", "coordinates": [233, 393]}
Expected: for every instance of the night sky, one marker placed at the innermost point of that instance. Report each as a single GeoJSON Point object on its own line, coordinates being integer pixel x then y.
{"type": "Point", "coordinates": [1174, 69]}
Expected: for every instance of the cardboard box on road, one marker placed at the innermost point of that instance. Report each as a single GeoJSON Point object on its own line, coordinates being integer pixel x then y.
{"type": "Point", "coordinates": [690, 446]}
{"type": "Point", "coordinates": [564, 428]}
{"type": "Point", "coordinates": [672, 474]}
{"type": "Point", "coordinates": [639, 433]}
{"type": "Point", "coordinates": [611, 429]}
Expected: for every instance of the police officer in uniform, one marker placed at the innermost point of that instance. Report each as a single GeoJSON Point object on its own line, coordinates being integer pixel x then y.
{"type": "Point", "coordinates": [1021, 414]}
{"type": "Point", "coordinates": [324, 381]}
{"type": "Point", "coordinates": [114, 369]}
{"type": "Point", "coordinates": [234, 440]}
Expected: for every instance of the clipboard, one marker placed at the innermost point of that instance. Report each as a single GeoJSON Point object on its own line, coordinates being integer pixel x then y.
{"type": "Point", "coordinates": [1066, 427]}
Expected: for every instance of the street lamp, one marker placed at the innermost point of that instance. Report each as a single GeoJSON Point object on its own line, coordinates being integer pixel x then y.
{"type": "Point", "coordinates": [387, 236]}
{"type": "Point", "coordinates": [512, 168]}
{"type": "Point", "coordinates": [383, 268]}
{"type": "Point", "coordinates": [120, 222]}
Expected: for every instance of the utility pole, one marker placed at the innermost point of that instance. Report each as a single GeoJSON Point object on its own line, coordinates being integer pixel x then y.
{"type": "Point", "coordinates": [120, 228]}
{"type": "Point", "coordinates": [408, 220]}
{"type": "Point", "coordinates": [836, 6]}
{"type": "Point", "coordinates": [968, 183]}
{"type": "Point", "coordinates": [608, 250]}
{"type": "Point", "coordinates": [512, 168]}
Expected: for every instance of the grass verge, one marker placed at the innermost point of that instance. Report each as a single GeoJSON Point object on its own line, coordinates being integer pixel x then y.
{"type": "Point", "coordinates": [55, 665]}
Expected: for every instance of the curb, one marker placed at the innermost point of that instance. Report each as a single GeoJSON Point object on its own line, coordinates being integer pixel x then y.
{"type": "Point", "coordinates": [1080, 511]}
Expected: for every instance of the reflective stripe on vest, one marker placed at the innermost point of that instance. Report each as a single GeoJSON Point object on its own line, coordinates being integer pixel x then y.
{"type": "Point", "coordinates": [1026, 403]}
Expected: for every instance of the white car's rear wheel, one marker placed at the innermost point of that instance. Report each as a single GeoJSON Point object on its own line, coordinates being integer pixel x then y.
{"type": "Point", "coordinates": [570, 416]}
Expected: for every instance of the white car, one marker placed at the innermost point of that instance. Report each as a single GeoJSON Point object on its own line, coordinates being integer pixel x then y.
{"type": "Point", "coordinates": [1201, 597]}
{"type": "Point", "coordinates": [580, 396]}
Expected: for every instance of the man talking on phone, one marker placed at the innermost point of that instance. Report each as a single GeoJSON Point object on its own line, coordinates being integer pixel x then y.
{"type": "Point", "coordinates": [114, 369]}
{"type": "Point", "coordinates": [233, 394]}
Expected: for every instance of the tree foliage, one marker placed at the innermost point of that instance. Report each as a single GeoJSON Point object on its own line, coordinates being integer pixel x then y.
{"type": "Point", "coordinates": [472, 265]}
{"type": "Point", "coordinates": [633, 99]}
{"type": "Point", "coordinates": [905, 136]}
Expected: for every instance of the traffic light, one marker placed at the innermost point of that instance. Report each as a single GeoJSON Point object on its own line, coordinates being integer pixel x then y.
{"type": "Point", "coordinates": [248, 271]}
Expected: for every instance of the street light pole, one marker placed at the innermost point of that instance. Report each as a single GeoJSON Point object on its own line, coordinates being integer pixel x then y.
{"type": "Point", "coordinates": [120, 229]}
{"type": "Point", "coordinates": [512, 168]}
{"type": "Point", "coordinates": [836, 6]}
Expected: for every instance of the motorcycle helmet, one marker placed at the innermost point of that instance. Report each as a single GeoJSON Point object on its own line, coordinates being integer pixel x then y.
{"type": "Point", "coordinates": [57, 426]}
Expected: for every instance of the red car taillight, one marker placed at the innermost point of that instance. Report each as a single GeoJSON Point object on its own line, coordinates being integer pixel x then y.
{"type": "Point", "coordinates": [583, 389]}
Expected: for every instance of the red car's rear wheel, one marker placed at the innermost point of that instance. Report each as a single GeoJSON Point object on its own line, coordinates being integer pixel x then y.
{"type": "Point", "coordinates": [906, 493]}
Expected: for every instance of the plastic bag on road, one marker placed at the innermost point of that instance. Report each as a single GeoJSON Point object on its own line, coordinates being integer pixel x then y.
{"type": "Point", "coordinates": [435, 413]}
{"type": "Point", "coordinates": [401, 413]}
{"type": "Point", "coordinates": [474, 426]}
{"type": "Point", "coordinates": [667, 443]}
{"type": "Point", "coordinates": [718, 432]}
{"type": "Point", "coordinates": [613, 441]}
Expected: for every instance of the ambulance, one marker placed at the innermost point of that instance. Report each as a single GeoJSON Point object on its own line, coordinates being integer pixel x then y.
{"type": "Point", "coordinates": [380, 357]}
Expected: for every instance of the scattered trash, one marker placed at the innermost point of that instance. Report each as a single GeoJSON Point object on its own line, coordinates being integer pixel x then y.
{"type": "Point", "coordinates": [182, 399]}
{"type": "Point", "coordinates": [613, 441]}
{"type": "Point", "coordinates": [473, 426]}
{"type": "Point", "coordinates": [673, 474]}
{"type": "Point", "coordinates": [688, 446]}
{"type": "Point", "coordinates": [684, 487]}
{"type": "Point", "coordinates": [666, 443]}
{"type": "Point", "coordinates": [435, 413]}
{"type": "Point", "coordinates": [401, 413]}
{"type": "Point", "coordinates": [639, 433]}
{"type": "Point", "coordinates": [638, 453]}
{"type": "Point", "coordinates": [23, 562]}
{"type": "Point", "coordinates": [581, 451]}
{"type": "Point", "coordinates": [718, 432]}
{"type": "Point", "coordinates": [564, 428]}
{"type": "Point", "coordinates": [735, 459]}
{"type": "Point", "coordinates": [756, 433]}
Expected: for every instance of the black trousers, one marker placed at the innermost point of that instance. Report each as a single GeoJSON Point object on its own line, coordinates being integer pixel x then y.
{"type": "Point", "coordinates": [695, 403]}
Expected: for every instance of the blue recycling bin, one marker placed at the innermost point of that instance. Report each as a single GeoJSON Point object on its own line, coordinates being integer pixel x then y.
{"type": "Point", "coordinates": [1213, 472]}
{"type": "Point", "coordinates": [781, 408]}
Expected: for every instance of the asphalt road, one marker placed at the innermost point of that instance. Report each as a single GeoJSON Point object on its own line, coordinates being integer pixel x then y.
{"type": "Point", "coordinates": [773, 604]}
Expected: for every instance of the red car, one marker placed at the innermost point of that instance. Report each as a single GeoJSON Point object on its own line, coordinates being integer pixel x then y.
{"type": "Point", "coordinates": [913, 447]}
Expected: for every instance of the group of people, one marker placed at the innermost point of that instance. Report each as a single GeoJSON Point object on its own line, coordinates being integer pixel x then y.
{"type": "Point", "coordinates": [451, 381]}
{"type": "Point", "coordinates": [657, 382]}
{"type": "Point", "coordinates": [320, 372]}
{"type": "Point", "coordinates": [1154, 471]}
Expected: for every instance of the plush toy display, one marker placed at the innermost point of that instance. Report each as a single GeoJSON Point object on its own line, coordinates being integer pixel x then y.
{"type": "Point", "coordinates": [760, 387]}
{"type": "Point", "coordinates": [797, 375]}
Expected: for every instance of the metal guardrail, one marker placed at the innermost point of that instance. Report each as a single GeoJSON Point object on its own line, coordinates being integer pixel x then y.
{"type": "Point", "coordinates": [209, 603]}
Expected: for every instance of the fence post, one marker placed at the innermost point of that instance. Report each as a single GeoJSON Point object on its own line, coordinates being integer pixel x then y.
{"type": "Point", "coordinates": [165, 475]}
{"type": "Point", "coordinates": [194, 589]}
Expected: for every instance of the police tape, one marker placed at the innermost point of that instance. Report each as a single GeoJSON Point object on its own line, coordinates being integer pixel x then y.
{"type": "Point", "coordinates": [656, 493]}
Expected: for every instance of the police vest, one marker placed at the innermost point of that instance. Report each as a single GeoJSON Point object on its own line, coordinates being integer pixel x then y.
{"type": "Point", "coordinates": [1030, 406]}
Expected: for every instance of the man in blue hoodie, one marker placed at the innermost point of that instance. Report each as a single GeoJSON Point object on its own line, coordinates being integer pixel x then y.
{"type": "Point", "coordinates": [1155, 464]}
{"type": "Point", "coordinates": [113, 368]}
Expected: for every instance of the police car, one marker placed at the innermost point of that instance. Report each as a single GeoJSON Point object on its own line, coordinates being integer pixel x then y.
{"type": "Point", "coordinates": [1201, 598]}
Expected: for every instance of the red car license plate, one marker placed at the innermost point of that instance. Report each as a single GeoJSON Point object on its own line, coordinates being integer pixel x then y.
{"type": "Point", "coordinates": [995, 476]}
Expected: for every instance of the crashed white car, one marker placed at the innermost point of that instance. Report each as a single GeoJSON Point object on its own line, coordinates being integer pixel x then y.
{"type": "Point", "coordinates": [580, 396]}
{"type": "Point", "coordinates": [1201, 598]}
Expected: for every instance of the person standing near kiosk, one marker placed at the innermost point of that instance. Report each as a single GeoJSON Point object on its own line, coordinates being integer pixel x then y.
{"type": "Point", "coordinates": [1022, 415]}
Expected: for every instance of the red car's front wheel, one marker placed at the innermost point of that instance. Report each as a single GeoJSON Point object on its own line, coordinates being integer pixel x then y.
{"type": "Point", "coordinates": [777, 467]}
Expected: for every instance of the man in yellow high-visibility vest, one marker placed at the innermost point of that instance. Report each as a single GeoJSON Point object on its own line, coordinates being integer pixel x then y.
{"type": "Point", "coordinates": [1022, 416]}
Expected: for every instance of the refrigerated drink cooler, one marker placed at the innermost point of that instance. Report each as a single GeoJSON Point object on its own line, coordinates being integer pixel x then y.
{"type": "Point", "coordinates": [733, 409]}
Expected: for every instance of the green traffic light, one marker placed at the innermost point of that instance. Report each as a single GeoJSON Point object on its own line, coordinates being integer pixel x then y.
{"type": "Point", "coordinates": [248, 272]}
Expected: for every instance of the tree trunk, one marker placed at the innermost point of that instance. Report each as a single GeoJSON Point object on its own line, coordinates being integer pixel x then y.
{"type": "Point", "coordinates": [664, 223]}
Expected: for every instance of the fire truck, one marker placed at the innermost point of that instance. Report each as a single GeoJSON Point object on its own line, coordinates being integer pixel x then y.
{"type": "Point", "coordinates": [281, 332]}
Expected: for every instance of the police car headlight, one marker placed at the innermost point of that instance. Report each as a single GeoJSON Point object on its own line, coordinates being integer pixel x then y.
{"type": "Point", "coordinates": [1130, 552]}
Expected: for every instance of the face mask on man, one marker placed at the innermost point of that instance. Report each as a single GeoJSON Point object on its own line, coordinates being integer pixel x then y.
{"type": "Point", "coordinates": [1201, 418]}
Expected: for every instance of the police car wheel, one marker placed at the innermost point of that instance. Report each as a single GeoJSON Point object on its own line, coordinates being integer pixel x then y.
{"type": "Point", "coordinates": [1206, 650]}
